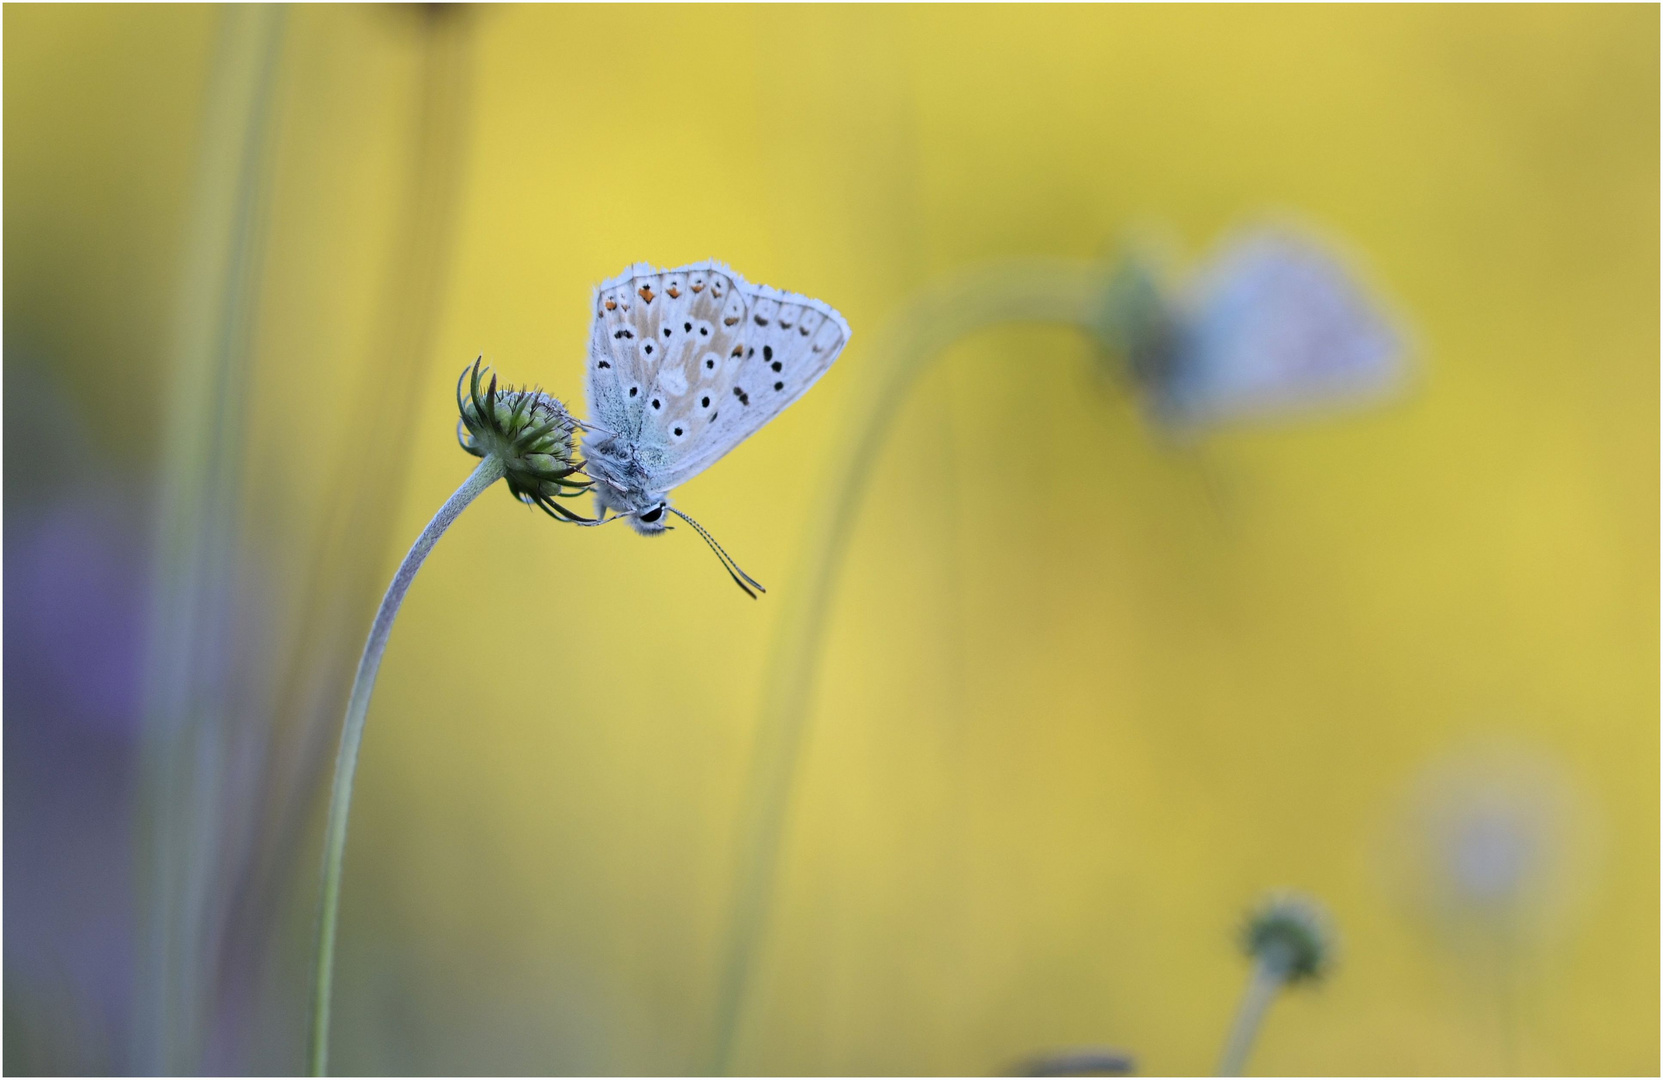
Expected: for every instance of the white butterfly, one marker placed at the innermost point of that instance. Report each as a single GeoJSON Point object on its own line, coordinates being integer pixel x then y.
{"type": "Point", "coordinates": [1276, 322]}
{"type": "Point", "coordinates": [684, 365]}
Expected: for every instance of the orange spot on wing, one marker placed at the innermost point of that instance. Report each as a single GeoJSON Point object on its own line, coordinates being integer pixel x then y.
{"type": "Point", "coordinates": [612, 305]}
{"type": "Point", "coordinates": [646, 293]}
{"type": "Point", "coordinates": [674, 292]}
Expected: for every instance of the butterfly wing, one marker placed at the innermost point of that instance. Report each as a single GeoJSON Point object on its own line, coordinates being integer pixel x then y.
{"type": "Point", "coordinates": [686, 364]}
{"type": "Point", "coordinates": [1278, 323]}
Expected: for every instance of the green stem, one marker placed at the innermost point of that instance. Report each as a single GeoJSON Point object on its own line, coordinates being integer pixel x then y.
{"type": "Point", "coordinates": [1269, 976]}
{"type": "Point", "coordinates": [1052, 292]}
{"type": "Point", "coordinates": [489, 472]}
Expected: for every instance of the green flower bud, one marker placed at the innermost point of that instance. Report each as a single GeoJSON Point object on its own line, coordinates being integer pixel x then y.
{"type": "Point", "coordinates": [1291, 935]}
{"type": "Point", "coordinates": [1135, 324]}
{"type": "Point", "coordinates": [533, 435]}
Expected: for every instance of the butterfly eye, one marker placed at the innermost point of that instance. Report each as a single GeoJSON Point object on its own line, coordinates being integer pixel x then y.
{"type": "Point", "coordinates": [654, 514]}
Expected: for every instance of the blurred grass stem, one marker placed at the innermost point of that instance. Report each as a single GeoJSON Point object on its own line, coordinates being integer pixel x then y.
{"type": "Point", "coordinates": [1270, 974]}
{"type": "Point", "coordinates": [353, 532]}
{"type": "Point", "coordinates": [191, 706]}
{"type": "Point", "coordinates": [488, 472]}
{"type": "Point", "coordinates": [1056, 292]}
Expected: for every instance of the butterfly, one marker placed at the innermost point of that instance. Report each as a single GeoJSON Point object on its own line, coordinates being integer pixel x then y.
{"type": "Point", "coordinates": [684, 365]}
{"type": "Point", "coordinates": [1273, 323]}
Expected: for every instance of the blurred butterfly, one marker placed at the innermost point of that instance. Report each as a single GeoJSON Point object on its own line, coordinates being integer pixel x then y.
{"type": "Point", "coordinates": [684, 365]}
{"type": "Point", "coordinates": [1273, 323]}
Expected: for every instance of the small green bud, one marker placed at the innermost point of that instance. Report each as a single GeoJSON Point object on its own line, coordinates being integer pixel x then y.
{"type": "Point", "coordinates": [1290, 934]}
{"type": "Point", "coordinates": [531, 432]}
{"type": "Point", "coordinates": [1134, 323]}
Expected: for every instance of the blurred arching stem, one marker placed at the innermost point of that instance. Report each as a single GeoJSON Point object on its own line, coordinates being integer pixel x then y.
{"type": "Point", "coordinates": [488, 472]}
{"type": "Point", "coordinates": [1057, 292]}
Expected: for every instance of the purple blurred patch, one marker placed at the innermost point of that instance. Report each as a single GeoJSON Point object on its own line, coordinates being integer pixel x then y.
{"type": "Point", "coordinates": [75, 590]}
{"type": "Point", "coordinates": [74, 610]}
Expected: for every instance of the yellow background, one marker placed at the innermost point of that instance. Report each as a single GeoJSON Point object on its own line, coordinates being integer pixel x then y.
{"type": "Point", "coordinates": [1086, 693]}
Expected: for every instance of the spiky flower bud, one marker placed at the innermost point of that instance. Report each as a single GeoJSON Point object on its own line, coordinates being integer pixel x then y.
{"type": "Point", "coordinates": [532, 434]}
{"type": "Point", "coordinates": [1291, 936]}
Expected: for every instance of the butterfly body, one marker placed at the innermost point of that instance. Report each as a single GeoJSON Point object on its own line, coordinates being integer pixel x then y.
{"type": "Point", "coordinates": [683, 366]}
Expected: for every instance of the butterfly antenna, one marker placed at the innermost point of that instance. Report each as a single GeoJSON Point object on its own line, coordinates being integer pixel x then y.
{"type": "Point", "coordinates": [740, 578]}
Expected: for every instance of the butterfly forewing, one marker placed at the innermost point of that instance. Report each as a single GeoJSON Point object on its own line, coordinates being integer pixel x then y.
{"type": "Point", "coordinates": [688, 363]}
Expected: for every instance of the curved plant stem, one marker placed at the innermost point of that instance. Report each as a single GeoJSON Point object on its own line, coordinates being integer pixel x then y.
{"type": "Point", "coordinates": [1041, 291]}
{"type": "Point", "coordinates": [489, 471]}
{"type": "Point", "coordinates": [1263, 985]}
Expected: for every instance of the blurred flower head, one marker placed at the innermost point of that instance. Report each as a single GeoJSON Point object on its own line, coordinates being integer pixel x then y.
{"type": "Point", "coordinates": [530, 431]}
{"type": "Point", "coordinates": [1275, 322]}
{"type": "Point", "coordinates": [1496, 839]}
{"type": "Point", "coordinates": [1290, 934]}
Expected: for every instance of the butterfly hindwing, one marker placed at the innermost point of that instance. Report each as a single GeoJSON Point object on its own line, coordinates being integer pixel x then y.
{"type": "Point", "coordinates": [688, 363]}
